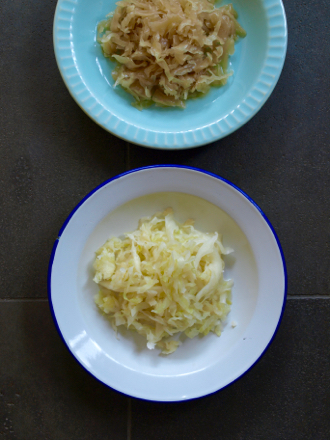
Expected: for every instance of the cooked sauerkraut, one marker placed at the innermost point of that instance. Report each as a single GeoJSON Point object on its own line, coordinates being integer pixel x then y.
{"type": "Point", "coordinates": [162, 279]}
{"type": "Point", "coordinates": [169, 50]}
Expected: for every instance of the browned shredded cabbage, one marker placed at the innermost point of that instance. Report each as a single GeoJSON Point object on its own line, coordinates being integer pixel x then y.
{"type": "Point", "coordinates": [169, 50]}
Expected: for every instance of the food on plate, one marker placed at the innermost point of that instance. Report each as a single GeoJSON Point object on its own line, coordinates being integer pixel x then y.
{"type": "Point", "coordinates": [169, 50]}
{"type": "Point", "coordinates": [162, 279]}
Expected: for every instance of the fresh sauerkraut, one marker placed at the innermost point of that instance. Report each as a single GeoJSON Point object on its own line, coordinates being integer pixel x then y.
{"type": "Point", "coordinates": [162, 279]}
{"type": "Point", "coordinates": [169, 50]}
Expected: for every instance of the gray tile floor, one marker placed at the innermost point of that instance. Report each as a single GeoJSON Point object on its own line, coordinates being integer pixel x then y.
{"type": "Point", "coordinates": [52, 155]}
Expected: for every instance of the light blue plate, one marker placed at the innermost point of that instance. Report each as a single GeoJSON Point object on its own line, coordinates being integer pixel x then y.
{"type": "Point", "coordinates": [257, 65]}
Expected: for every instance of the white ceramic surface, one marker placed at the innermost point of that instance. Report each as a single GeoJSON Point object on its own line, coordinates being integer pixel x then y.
{"type": "Point", "coordinates": [202, 365]}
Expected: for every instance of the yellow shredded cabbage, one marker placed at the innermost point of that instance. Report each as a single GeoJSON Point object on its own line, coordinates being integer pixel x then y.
{"type": "Point", "coordinates": [162, 279]}
{"type": "Point", "coordinates": [169, 50]}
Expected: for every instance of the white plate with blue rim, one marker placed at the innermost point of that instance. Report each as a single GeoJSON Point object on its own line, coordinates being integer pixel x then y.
{"type": "Point", "coordinates": [256, 65]}
{"type": "Point", "coordinates": [201, 365]}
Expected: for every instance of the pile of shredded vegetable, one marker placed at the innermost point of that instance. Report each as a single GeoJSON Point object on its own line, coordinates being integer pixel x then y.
{"type": "Point", "coordinates": [162, 279]}
{"type": "Point", "coordinates": [169, 50]}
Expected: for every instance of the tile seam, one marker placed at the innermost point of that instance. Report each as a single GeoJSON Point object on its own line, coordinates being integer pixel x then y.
{"type": "Point", "coordinates": [129, 419]}
{"type": "Point", "coordinates": [316, 296]}
{"type": "Point", "coordinates": [23, 300]}
{"type": "Point", "coordinates": [128, 159]}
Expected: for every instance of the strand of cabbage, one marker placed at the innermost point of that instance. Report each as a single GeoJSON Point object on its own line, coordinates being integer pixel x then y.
{"type": "Point", "coordinates": [169, 50]}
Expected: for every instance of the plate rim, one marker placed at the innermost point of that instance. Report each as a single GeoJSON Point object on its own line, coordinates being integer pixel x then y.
{"type": "Point", "coordinates": [157, 139]}
{"type": "Point", "coordinates": [53, 253]}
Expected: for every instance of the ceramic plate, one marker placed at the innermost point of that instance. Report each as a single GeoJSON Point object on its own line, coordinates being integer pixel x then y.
{"type": "Point", "coordinates": [200, 366]}
{"type": "Point", "coordinates": [257, 64]}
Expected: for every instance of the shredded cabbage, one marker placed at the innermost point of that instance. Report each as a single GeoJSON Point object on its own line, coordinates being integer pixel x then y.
{"type": "Point", "coordinates": [162, 279]}
{"type": "Point", "coordinates": [169, 50]}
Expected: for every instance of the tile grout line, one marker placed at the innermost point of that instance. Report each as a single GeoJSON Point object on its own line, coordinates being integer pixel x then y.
{"type": "Point", "coordinates": [289, 297]}
{"type": "Point", "coordinates": [129, 419]}
{"type": "Point", "coordinates": [3, 300]}
{"type": "Point", "coordinates": [128, 159]}
{"type": "Point", "coordinates": [308, 296]}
